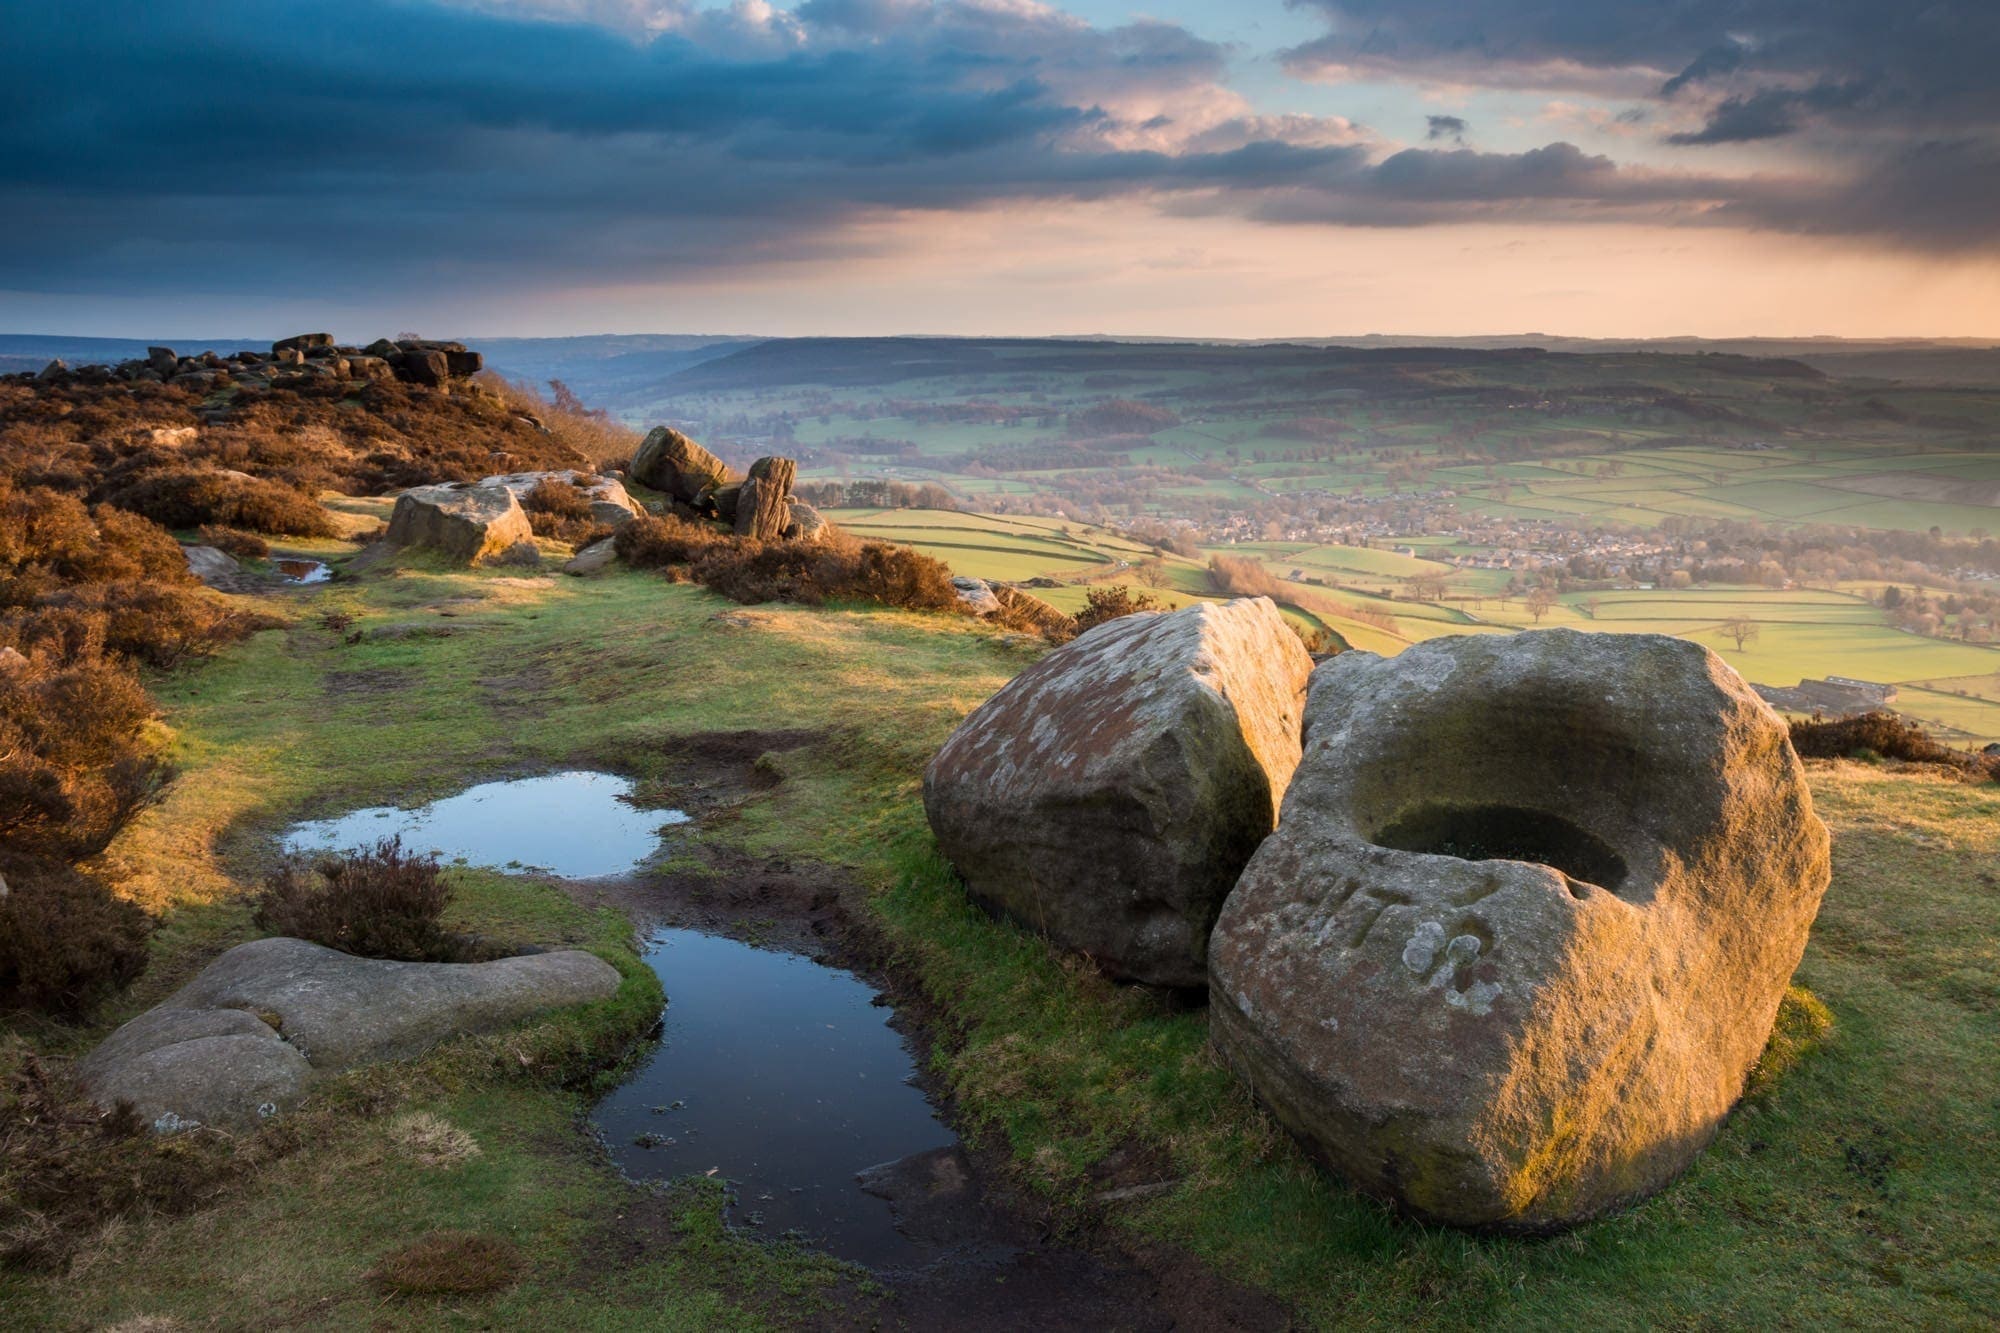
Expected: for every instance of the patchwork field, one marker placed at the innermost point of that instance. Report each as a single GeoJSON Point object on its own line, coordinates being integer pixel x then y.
{"type": "Point", "coordinates": [1802, 633]}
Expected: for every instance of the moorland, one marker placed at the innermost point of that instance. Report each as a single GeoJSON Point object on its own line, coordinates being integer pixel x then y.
{"type": "Point", "coordinates": [1851, 1187]}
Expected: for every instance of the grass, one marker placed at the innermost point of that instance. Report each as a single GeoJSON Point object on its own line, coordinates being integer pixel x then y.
{"type": "Point", "coordinates": [1852, 1189]}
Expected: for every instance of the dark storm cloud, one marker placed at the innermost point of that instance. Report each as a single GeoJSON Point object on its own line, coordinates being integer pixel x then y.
{"type": "Point", "coordinates": [1445, 127]}
{"type": "Point", "coordinates": [373, 144]}
{"type": "Point", "coordinates": [1866, 85]}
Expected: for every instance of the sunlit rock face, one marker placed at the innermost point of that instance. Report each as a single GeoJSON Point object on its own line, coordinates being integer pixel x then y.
{"type": "Point", "coordinates": [1110, 795]}
{"type": "Point", "coordinates": [1525, 923]}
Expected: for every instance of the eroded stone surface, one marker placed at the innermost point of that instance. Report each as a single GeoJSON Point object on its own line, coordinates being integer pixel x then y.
{"type": "Point", "coordinates": [248, 1036]}
{"type": "Point", "coordinates": [465, 522]}
{"type": "Point", "coordinates": [1525, 923]}
{"type": "Point", "coordinates": [1110, 794]}
{"type": "Point", "coordinates": [669, 461]}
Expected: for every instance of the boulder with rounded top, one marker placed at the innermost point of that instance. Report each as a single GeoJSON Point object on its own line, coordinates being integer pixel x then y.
{"type": "Point", "coordinates": [1110, 794]}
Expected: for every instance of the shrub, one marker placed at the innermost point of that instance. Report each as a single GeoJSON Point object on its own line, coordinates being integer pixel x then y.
{"type": "Point", "coordinates": [651, 542]}
{"type": "Point", "coordinates": [375, 902]}
{"type": "Point", "coordinates": [556, 497]}
{"type": "Point", "coordinates": [1030, 614]}
{"type": "Point", "coordinates": [830, 569]}
{"type": "Point", "coordinates": [243, 545]}
{"type": "Point", "coordinates": [1885, 735]}
{"type": "Point", "coordinates": [1320, 641]}
{"type": "Point", "coordinates": [73, 766]}
{"type": "Point", "coordinates": [450, 1263]}
{"type": "Point", "coordinates": [560, 510]}
{"type": "Point", "coordinates": [1102, 604]}
{"type": "Point", "coordinates": [65, 940]}
{"type": "Point", "coordinates": [185, 497]}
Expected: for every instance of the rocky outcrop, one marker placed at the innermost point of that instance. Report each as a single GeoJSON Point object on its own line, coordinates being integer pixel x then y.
{"type": "Point", "coordinates": [807, 523]}
{"type": "Point", "coordinates": [303, 359]}
{"type": "Point", "coordinates": [976, 596]}
{"type": "Point", "coordinates": [669, 461]}
{"type": "Point", "coordinates": [1525, 922]}
{"type": "Point", "coordinates": [763, 507]}
{"type": "Point", "coordinates": [249, 1036]}
{"type": "Point", "coordinates": [1110, 795]}
{"type": "Point", "coordinates": [592, 559]}
{"type": "Point", "coordinates": [465, 522]}
{"type": "Point", "coordinates": [609, 502]}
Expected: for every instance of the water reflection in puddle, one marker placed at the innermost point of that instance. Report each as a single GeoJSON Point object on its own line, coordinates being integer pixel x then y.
{"type": "Point", "coordinates": [784, 1078]}
{"type": "Point", "coordinates": [302, 571]}
{"type": "Point", "coordinates": [578, 825]}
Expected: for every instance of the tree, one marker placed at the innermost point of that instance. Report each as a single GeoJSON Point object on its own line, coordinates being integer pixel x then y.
{"type": "Point", "coordinates": [1540, 601]}
{"type": "Point", "coordinates": [1740, 628]}
{"type": "Point", "coordinates": [1590, 605]}
{"type": "Point", "coordinates": [1153, 573]}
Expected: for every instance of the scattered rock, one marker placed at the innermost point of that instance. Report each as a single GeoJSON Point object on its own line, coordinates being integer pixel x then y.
{"type": "Point", "coordinates": [209, 1056]}
{"type": "Point", "coordinates": [669, 461]}
{"type": "Point", "coordinates": [521, 555]}
{"type": "Point", "coordinates": [598, 556]}
{"type": "Point", "coordinates": [215, 567]}
{"type": "Point", "coordinates": [464, 522]}
{"type": "Point", "coordinates": [12, 659]}
{"type": "Point", "coordinates": [975, 596]}
{"type": "Point", "coordinates": [1525, 922]}
{"type": "Point", "coordinates": [1110, 795]}
{"type": "Point", "coordinates": [807, 523]}
{"type": "Point", "coordinates": [763, 509]}
{"type": "Point", "coordinates": [54, 370]}
{"type": "Point", "coordinates": [722, 500]}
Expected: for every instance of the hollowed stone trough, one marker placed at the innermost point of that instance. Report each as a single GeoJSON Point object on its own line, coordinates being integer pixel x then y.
{"type": "Point", "coordinates": [1525, 923]}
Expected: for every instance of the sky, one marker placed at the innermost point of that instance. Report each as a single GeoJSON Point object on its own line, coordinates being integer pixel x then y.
{"type": "Point", "coordinates": [1218, 168]}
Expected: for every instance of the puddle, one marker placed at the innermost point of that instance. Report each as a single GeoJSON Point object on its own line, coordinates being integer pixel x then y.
{"type": "Point", "coordinates": [783, 1077]}
{"type": "Point", "coordinates": [578, 825]}
{"type": "Point", "coordinates": [302, 571]}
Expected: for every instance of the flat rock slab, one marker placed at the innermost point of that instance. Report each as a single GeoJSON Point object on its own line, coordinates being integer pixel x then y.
{"type": "Point", "coordinates": [1525, 923]}
{"type": "Point", "coordinates": [247, 1037]}
{"type": "Point", "coordinates": [1110, 794]}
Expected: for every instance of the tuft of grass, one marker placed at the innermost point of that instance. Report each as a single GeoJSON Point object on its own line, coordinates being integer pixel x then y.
{"type": "Point", "coordinates": [450, 1263]}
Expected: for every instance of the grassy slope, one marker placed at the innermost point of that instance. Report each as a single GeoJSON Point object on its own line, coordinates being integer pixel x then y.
{"type": "Point", "coordinates": [1855, 1190]}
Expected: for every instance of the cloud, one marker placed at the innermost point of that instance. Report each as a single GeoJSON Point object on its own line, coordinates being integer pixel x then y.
{"type": "Point", "coordinates": [1445, 127]}
{"type": "Point", "coordinates": [1851, 88]}
{"type": "Point", "coordinates": [396, 145]}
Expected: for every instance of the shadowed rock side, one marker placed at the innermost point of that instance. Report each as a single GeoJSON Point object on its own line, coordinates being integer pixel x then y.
{"type": "Point", "coordinates": [763, 506]}
{"type": "Point", "coordinates": [247, 1037]}
{"type": "Point", "coordinates": [1110, 794]}
{"type": "Point", "coordinates": [1525, 923]}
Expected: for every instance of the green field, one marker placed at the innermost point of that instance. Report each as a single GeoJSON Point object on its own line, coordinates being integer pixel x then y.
{"type": "Point", "coordinates": [1803, 633]}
